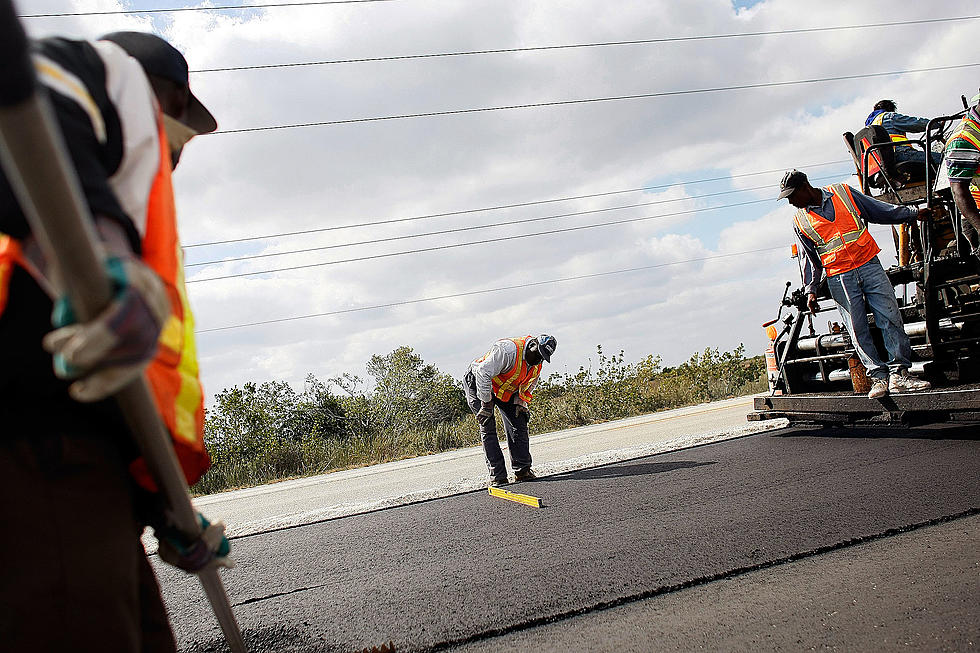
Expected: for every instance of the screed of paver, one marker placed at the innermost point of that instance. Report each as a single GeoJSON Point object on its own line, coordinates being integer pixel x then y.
{"type": "Point", "coordinates": [918, 590]}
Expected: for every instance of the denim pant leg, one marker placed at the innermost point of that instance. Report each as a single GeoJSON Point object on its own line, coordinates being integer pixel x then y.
{"type": "Point", "coordinates": [880, 297]}
{"type": "Point", "coordinates": [517, 438]}
{"type": "Point", "coordinates": [845, 288]}
{"type": "Point", "coordinates": [488, 434]}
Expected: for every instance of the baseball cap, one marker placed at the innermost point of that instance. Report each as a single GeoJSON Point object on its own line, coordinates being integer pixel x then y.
{"type": "Point", "coordinates": [163, 60]}
{"type": "Point", "coordinates": [546, 346]}
{"type": "Point", "coordinates": [791, 181]}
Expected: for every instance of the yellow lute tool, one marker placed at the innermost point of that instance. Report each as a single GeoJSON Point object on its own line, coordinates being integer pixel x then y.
{"type": "Point", "coordinates": [526, 499]}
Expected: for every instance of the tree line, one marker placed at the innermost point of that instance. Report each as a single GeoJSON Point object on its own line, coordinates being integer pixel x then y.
{"type": "Point", "coordinates": [258, 433]}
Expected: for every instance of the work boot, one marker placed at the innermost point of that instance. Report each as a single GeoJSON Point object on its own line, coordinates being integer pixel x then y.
{"type": "Point", "coordinates": [903, 382]}
{"type": "Point", "coordinates": [879, 388]}
{"type": "Point", "coordinates": [497, 481]}
{"type": "Point", "coordinates": [524, 475]}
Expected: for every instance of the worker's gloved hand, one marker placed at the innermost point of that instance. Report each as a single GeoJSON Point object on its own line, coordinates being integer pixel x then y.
{"type": "Point", "coordinates": [486, 413]}
{"type": "Point", "coordinates": [194, 555]}
{"type": "Point", "coordinates": [111, 350]}
{"type": "Point", "coordinates": [523, 412]}
{"type": "Point", "coordinates": [930, 213]}
{"type": "Point", "coordinates": [811, 303]}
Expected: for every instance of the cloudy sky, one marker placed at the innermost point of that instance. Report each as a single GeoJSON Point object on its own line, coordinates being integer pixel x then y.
{"type": "Point", "coordinates": [513, 207]}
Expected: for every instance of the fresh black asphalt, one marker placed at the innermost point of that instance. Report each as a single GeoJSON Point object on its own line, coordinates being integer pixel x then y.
{"type": "Point", "coordinates": [465, 568]}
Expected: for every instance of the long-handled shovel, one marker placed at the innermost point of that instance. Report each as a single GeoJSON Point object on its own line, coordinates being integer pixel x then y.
{"type": "Point", "coordinates": [33, 156]}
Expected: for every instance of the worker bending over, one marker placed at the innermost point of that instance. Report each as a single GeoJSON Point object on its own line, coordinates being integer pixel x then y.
{"type": "Point", "coordinates": [505, 377]}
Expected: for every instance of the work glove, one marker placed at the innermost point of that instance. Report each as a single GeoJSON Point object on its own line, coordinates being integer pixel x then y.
{"type": "Point", "coordinates": [193, 556]}
{"type": "Point", "coordinates": [523, 412]}
{"type": "Point", "coordinates": [486, 413]}
{"type": "Point", "coordinates": [111, 350]}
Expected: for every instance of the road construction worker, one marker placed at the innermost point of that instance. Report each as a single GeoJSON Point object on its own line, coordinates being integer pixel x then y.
{"type": "Point", "coordinates": [505, 377]}
{"type": "Point", "coordinates": [832, 226]}
{"type": "Point", "coordinates": [75, 576]}
{"type": "Point", "coordinates": [963, 168]}
{"type": "Point", "coordinates": [898, 126]}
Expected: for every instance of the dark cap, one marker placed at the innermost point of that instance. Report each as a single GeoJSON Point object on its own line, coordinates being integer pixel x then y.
{"type": "Point", "coordinates": [163, 60]}
{"type": "Point", "coordinates": [791, 181]}
{"type": "Point", "coordinates": [546, 346]}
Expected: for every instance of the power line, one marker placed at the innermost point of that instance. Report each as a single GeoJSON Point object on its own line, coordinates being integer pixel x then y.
{"type": "Point", "coordinates": [484, 241]}
{"type": "Point", "coordinates": [717, 89]}
{"type": "Point", "coordinates": [220, 8]}
{"type": "Point", "coordinates": [482, 226]}
{"type": "Point", "coordinates": [529, 284]}
{"type": "Point", "coordinates": [570, 46]}
{"type": "Point", "coordinates": [501, 206]}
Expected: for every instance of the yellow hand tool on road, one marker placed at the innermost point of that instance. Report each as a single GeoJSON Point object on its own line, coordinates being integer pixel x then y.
{"type": "Point", "coordinates": [526, 499]}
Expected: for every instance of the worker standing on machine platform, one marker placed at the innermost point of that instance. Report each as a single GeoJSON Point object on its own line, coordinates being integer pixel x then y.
{"type": "Point", "coordinates": [897, 125]}
{"type": "Point", "coordinates": [963, 168]}
{"type": "Point", "coordinates": [505, 377]}
{"type": "Point", "coordinates": [832, 226]}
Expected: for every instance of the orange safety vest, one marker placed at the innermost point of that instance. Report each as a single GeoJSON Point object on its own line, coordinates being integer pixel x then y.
{"type": "Point", "coordinates": [896, 138]}
{"type": "Point", "coordinates": [519, 378]}
{"type": "Point", "coordinates": [844, 244]}
{"type": "Point", "coordinates": [173, 373]}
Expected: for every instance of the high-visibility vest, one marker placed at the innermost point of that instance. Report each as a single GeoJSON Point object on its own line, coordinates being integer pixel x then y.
{"type": "Point", "coordinates": [896, 138]}
{"type": "Point", "coordinates": [518, 378]}
{"type": "Point", "coordinates": [9, 257]}
{"type": "Point", "coordinates": [843, 244]}
{"type": "Point", "coordinates": [173, 373]}
{"type": "Point", "coordinates": [968, 131]}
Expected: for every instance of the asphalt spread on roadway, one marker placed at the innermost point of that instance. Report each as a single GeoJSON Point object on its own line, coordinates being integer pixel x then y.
{"type": "Point", "coordinates": [460, 569]}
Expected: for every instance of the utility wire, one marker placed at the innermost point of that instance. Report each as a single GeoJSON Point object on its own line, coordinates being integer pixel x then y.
{"type": "Point", "coordinates": [506, 223]}
{"type": "Point", "coordinates": [570, 46]}
{"type": "Point", "coordinates": [616, 98]}
{"type": "Point", "coordinates": [529, 284]}
{"type": "Point", "coordinates": [220, 8]}
{"type": "Point", "coordinates": [501, 206]}
{"type": "Point", "coordinates": [484, 241]}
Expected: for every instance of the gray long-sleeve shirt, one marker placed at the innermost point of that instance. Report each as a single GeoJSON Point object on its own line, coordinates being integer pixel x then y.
{"type": "Point", "coordinates": [502, 357]}
{"type": "Point", "coordinates": [872, 210]}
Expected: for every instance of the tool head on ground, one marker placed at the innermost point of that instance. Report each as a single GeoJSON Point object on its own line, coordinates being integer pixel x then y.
{"type": "Point", "coordinates": [162, 61]}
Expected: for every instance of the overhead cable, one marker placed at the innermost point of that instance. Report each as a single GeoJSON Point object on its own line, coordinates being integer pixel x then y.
{"type": "Point", "coordinates": [505, 223]}
{"type": "Point", "coordinates": [264, 5]}
{"type": "Point", "coordinates": [615, 98]}
{"type": "Point", "coordinates": [570, 46]}
{"type": "Point", "coordinates": [529, 284]}
{"type": "Point", "coordinates": [482, 241]}
{"type": "Point", "coordinates": [429, 216]}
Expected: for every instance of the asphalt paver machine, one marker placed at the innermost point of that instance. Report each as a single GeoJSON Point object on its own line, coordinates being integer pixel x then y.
{"type": "Point", "coordinates": [814, 373]}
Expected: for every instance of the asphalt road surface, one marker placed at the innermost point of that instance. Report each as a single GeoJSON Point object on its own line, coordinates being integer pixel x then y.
{"type": "Point", "coordinates": [305, 500]}
{"type": "Point", "coordinates": [853, 539]}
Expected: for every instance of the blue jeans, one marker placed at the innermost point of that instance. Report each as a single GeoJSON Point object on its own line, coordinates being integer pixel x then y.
{"type": "Point", "coordinates": [908, 153]}
{"type": "Point", "coordinates": [514, 425]}
{"type": "Point", "coordinates": [865, 289]}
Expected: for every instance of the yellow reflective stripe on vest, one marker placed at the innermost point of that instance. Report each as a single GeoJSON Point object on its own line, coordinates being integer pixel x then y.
{"type": "Point", "coordinates": [896, 138]}
{"type": "Point", "coordinates": [508, 382]}
{"type": "Point", "coordinates": [837, 242]}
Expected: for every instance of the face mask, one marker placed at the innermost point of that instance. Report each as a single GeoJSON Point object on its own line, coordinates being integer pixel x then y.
{"type": "Point", "coordinates": [178, 134]}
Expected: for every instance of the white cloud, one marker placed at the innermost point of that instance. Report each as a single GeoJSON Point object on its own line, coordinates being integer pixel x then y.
{"type": "Point", "coordinates": [241, 185]}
